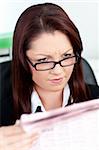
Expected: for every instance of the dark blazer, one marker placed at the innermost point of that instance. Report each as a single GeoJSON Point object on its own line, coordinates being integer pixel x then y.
{"type": "Point", "coordinates": [6, 110]}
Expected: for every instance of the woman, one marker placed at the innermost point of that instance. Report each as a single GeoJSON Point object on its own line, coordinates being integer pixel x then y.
{"type": "Point", "coordinates": [46, 66]}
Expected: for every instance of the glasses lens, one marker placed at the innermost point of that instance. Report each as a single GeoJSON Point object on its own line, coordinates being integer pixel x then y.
{"type": "Point", "coordinates": [69, 61]}
{"type": "Point", "coordinates": [44, 66]}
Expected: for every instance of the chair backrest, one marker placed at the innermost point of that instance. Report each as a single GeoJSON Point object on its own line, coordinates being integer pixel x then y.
{"type": "Point", "coordinates": [5, 76]}
{"type": "Point", "coordinates": [6, 101]}
{"type": "Point", "coordinates": [88, 73]}
{"type": "Point", "coordinates": [6, 88]}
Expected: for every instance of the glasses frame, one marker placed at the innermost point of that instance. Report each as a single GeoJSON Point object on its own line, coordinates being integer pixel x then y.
{"type": "Point", "coordinates": [54, 62]}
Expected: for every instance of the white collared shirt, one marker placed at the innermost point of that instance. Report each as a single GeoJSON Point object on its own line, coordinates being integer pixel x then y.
{"type": "Point", "coordinates": [35, 99]}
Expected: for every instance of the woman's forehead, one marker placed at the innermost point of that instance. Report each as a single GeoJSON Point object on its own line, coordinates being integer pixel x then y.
{"type": "Point", "coordinates": [51, 43]}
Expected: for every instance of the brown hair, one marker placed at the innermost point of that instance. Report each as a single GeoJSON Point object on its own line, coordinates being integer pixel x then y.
{"type": "Point", "coordinates": [33, 21]}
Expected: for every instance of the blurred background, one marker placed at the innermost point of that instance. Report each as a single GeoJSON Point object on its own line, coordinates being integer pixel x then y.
{"type": "Point", "coordinates": [85, 15]}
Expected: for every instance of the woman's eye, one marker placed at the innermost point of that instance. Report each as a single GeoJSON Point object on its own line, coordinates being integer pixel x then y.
{"type": "Point", "coordinates": [42, 60]}
{"type": "Point", "coordinates": [68, 55]}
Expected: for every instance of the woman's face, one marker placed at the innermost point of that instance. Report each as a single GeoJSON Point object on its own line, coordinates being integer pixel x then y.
{"type": "Point", "coordinates": [50, 47]}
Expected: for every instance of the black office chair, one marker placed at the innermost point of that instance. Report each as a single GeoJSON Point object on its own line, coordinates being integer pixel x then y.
{"type": "Point", "coordinates": [6, 101]}
{"type": "Point", "coordinates": [6, 88]}
{"type": "Point", "coordinates": [88, 73]}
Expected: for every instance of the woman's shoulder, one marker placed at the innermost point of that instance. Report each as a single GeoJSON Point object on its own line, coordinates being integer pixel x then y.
{"type": "Point", "coordinates": [94, 91]}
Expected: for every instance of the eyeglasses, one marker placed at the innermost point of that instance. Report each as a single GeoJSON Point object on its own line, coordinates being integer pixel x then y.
{"type": "Point", "coordinates": [47, 65]}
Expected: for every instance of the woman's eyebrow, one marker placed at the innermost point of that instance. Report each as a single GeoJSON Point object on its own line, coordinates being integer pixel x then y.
{"type": "Point", "coordinates": [69, 50]}
{"type": "Point", "coordinates": [48, 55]}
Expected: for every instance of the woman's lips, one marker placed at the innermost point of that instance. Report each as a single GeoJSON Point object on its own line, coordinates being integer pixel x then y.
{"type": "Point", "coordinates": [57, 80]}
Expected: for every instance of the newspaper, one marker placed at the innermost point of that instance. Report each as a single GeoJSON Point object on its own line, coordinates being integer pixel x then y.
{"type": "Point", "coordinates": [69, 128]}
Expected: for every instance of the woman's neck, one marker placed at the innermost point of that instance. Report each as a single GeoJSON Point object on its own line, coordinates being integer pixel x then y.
{"type": "Point", "coordinates": [50, 99]}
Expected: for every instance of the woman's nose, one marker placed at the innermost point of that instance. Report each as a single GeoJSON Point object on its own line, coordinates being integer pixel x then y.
{"type": "Point", "coordinates": [57, 69]}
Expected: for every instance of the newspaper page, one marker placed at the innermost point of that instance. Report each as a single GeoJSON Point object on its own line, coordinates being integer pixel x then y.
{"type": "Point", "coordinates": [70, 128]}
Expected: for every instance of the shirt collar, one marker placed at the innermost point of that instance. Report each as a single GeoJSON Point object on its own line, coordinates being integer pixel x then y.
{"type": "Point", "coordinates": [35, 99]}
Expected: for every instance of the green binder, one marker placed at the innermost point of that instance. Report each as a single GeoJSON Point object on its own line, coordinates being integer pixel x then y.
{"type": "Point", "coordinates": [5, 44]}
